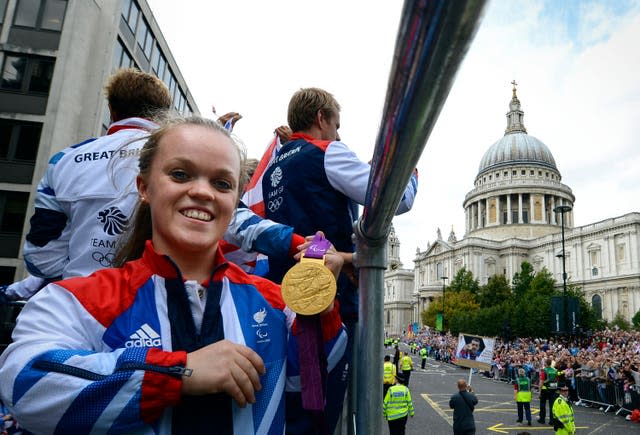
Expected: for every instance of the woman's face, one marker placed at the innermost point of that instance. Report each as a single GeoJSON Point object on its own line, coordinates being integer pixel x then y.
{"type": "Point", "coordinates": [192, 190]}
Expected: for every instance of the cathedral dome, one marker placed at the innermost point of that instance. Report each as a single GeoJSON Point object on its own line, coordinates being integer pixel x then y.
{"type": "Point", "coordinates": [516, 148]}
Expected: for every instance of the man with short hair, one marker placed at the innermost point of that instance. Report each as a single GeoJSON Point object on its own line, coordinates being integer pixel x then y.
{"type": "Point", "coordinates": [463, 404]}
{"type": "Point", "coordinates": [548, 389]}
{"type": "Point", "coordinates": [316, 183]}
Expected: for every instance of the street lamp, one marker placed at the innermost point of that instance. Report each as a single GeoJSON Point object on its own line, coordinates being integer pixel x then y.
{"type": "Point", "coordinates": [562, 209]}
{"type": "Point", "coordinates": [444, 282]}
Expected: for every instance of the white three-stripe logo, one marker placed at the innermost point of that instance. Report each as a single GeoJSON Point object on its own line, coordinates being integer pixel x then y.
{"type": "Point", "coordinates": [145, 331]}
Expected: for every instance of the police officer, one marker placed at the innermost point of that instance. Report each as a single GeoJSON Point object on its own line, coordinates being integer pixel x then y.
{"type": "Point", "coordinates": [548, 389]}
{"type": "Point", "coordinates": [562, 413]}
{"type": "Point", "coordinates": [407, 365]}
{"type": "Point", "coordinates": [423, 356]}
{"type": "Point", "coordinates": [397, 406]}
{"type": "Point", "coordinates": [389, 375]}
{"type": "Point", "coordinates": [522, 392]}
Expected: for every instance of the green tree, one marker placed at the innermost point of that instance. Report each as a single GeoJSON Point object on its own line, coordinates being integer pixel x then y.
{"type": "Point", "coordinates": [636, 320]}
{"type": "Point", "coordinates": [495, 292]}
{"type": "Point", "coordinates": [522, 280]}
{"type": "Point", "coordinates": [621, 322]}
{"type": "Point", "coordinates": [464, 280]}
{"type": "Point", "coordinates": [454, 302]}
{"type": "Point", "coordinates": [531, 315]}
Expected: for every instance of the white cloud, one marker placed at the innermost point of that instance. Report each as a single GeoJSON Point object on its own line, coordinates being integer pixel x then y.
{"type": "Point", "coordinates": [576, 65]}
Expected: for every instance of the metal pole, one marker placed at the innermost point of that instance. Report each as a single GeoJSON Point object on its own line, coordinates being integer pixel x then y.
{"type": "Point", "coordinates": [444, 283]}
{"type": "Point", "coordinates": [564, 282]}
{"type": "Point", "coordinates": [432, 41]}
{"type": "Point", "coordinates": [562, 209]}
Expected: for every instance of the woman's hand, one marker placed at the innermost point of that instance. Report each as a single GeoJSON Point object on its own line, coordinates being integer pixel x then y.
{"type": "Point", "coordinates": [224, 367]}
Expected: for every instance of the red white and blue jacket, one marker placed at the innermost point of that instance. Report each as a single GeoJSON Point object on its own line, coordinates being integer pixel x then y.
{"type": "Point", "coordinates": [95, 354]}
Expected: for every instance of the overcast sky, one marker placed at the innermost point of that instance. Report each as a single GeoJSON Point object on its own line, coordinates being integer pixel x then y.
{"type": "Point", "coordinates": [576, 63]}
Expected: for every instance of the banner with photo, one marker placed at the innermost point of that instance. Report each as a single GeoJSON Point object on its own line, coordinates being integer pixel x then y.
{"type": "Point", "coordinates": [474, 351]}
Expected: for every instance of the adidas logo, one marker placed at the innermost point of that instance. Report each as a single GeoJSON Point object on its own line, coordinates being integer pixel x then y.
{"type": "Point", "coordinates": [145, 336]}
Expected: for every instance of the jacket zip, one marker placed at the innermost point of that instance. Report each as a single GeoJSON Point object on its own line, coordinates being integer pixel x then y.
{"type": "Point", "coordinates": [50, 366]}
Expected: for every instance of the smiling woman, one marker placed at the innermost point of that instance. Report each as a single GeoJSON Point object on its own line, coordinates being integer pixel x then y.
{"type": "Point", "coordinates": [177, 338]}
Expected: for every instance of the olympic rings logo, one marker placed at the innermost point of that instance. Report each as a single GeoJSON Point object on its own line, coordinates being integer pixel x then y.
{"type": "Point", "coordinates": [275, 204]}
{"type": "Point", "coordinates": [105, 260]}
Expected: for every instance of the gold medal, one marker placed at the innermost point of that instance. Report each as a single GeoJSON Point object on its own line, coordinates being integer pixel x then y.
{"type": "Point", "coordinates": [309, 287]}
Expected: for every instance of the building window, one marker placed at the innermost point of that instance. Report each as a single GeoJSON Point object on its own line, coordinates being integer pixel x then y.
{"type": "Point", "coordinates": [506, 174]}
{"type": "Point", "coordinates": [145, 38]}
{"type": "Point", "coordinates": [514, 216]}
{"type": "Point", "coordinates": [121, 57]}
{"type": "Point", "coordinates": [525, 216]}
{"type": "Point", "coordinates": [3, 8]}
{"type": "Point", "coordinates": [19, 140]}
{"type": "Point", "coordinates": [596, 304]}
{"type": "Point", "coordinates": [13, 208]}
{"type": "Point", "coordinates": [388, 317]}
{"type": "Point", "coordinates": [130, 13]}
{"type": "Point", "coordinates": [620, 254]}
{"type": "Point", "coordinates": [522, 172]}
{"type": "Point", "coordinates": [539, 173]}
{"type": "Point", "coordinates": [490, 177]}
{"type": "Point", "coordinates": [531, 172]}
{"type": "Point", "coordinates": [27, 74]}
{"type": "Point", "coordinates": [40, 14]}
{"type": "Point", "coordinates": [514, 173]}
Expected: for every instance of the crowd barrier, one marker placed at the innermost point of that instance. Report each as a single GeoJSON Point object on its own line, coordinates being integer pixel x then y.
{"type": "Point", "coordinates": [608, 395]}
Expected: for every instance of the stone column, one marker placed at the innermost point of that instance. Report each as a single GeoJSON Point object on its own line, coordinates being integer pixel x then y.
{"type": "Point", "coordinates": [498, 216]}
{"type": "Point", "coordinates": [509, 213]}
{"type": "Point", "coordinates": [519, 208]}
{"type": "Point", "coordinates": [479, 215]}
{"type": "Point", "coordinates": [544, 209]}
{"type": "Point", "coordinates": [531, 205]}
{"type": "Point", "coordinates": [553, 213]}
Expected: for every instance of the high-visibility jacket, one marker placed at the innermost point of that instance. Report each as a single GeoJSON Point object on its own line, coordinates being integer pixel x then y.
{"type": "Point", "coordinates": [397, 403]}
{"type": "Point", "coordinates": [549, 378]}
{"type": "Point", "coordinates": [389, 376]}
{"type": "Point", "coordinates": [406, 363]}
{"type": "Point", "coordinates": [523, 389]}
{"type": "Point", "coordinates": [563, 411]}
{"type": "Point", "coordinates": [423, 353]}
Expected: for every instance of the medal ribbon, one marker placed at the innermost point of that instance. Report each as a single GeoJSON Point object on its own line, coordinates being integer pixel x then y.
{"type": "Point", "coordinates": [313, 363]}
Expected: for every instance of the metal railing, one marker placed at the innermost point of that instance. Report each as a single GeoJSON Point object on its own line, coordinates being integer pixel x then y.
{"type": "Point", "coordinates": [432, 41]}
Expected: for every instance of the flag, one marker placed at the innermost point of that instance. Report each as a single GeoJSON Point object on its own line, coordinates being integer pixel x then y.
{"type": "Point", "coordinates": [229, 125]}
{"type": "Point", "coordinates": [254, 262]}
{"type": "Point", "coordinates": [253, 192]}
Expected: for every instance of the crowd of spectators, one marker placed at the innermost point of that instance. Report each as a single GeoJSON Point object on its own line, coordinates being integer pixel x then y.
{"type": "Point", "coordinates": [595, 366]}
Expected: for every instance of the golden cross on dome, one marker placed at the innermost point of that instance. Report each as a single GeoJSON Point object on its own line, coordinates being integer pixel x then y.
{"type": "Point", "coordinates": [513, 82]}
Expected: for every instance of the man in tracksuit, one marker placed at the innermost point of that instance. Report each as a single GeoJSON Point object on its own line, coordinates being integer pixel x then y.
{"type": "Point", "coordinates": [316, 183]}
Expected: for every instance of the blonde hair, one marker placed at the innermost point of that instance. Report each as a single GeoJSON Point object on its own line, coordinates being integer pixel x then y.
{"type": "Point", "coordinates": [304, 106]}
